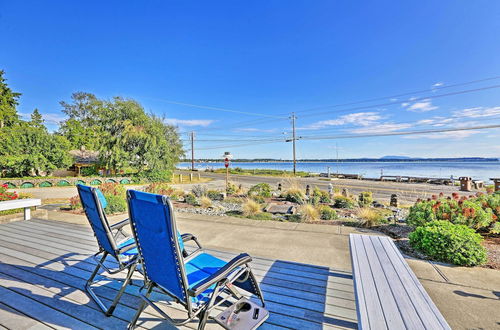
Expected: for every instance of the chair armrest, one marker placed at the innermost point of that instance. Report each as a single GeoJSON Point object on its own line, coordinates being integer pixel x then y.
{"type": "Point", "coordinates": [127, 248]}
{"type": "Point", "coordinates": [221, 274]}
{"type": "Point", "coordinates": [187, 237]}
{"type": "Point", "coordinates": [119, 225]}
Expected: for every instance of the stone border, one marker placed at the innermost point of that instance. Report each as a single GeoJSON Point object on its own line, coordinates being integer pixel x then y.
{"type": "Point", "coordinates": [62, 182]}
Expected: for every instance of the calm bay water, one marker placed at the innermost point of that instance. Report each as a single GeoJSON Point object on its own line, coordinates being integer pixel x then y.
{"type": "Point", "coordinates": [476, 170]}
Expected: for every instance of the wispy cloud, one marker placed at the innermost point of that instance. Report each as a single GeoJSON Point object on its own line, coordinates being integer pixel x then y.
{"type": "Point", "coordinates": [359, 119]}
{"type": "Point", "coordinates": [438, 84]}
{"type": "Point", "coordinates": [457, 135]}
{"type": "Point", "coordinates": [477, 112]}
{"type": "Point", "coordinates": [254, 129]}
{"type": "Point", "coordinates": [189, 122]}
{"type": "Point", "coordinates": [49, 118]}
{"type": "Point", "coordinates": [381, 128]}
{"type": "Point", "coordinates": [421, 106]}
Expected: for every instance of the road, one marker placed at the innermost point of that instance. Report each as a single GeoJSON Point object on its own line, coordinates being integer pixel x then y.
{"type": "Point", "coordinates": [382, 190]}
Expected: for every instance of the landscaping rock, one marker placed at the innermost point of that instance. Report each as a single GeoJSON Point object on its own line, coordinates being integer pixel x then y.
{"type": "Point", "coordinates": [281, 209]}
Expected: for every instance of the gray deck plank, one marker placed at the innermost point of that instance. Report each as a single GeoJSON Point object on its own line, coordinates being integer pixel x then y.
{"type": "Point", "coordinates": [390, 307]}
{"type": "Point", "coordinates": [309, 311]}
{"type": "Point", "coordinates": [13, 319]}
{"type": "Point", "coordinates": [376, 319]}
{"type": "Point", "coordinates": [39, 311]}
{"type": "Point", "coordinates": [403, 301]}
{"type": "Point", "coordinates": [384, 281]}
{"type": "Point", "coordinates": [425, 307]}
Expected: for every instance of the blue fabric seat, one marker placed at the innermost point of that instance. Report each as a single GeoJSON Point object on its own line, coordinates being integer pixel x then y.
{"type": "Point", "coordinates": [123, 252]}
{"type": "Point", "coordinates": [200, 268]}
{"type": "Point", "coordinates": [196, 282]}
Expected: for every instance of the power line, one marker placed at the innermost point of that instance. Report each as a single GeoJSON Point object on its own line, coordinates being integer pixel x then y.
{"type": "Point", "coordinates": [215, 108]}
{"type": "Point", "coordinates": [398, 102]}
{"type": "Point", "coordinates": [400, 95]}
{"type": "Point", "coordinates": [429, 131]}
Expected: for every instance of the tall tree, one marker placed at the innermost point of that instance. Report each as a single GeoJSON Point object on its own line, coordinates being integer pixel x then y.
{"type": "Point", "coordinates": [37, 119]}
{"type": "Point", "coordinates": [8, 103]}
{"type": "Point", "coordinates": [82, 126]}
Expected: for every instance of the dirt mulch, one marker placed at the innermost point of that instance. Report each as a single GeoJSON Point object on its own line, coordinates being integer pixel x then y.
{"type": "Point", "coordinates": [492, 245]}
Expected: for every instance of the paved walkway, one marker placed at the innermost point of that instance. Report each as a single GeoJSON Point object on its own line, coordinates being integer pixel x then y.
{"type": "Point", "coordinates": [469, 298]}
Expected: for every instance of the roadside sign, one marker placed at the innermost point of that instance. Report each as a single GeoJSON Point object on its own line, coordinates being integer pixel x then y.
{"type": "Point", "coordinates": [226, 162]}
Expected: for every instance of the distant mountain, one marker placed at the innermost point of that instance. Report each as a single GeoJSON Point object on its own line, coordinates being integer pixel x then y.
{"type": "Point", "coordinates": [396, 157]}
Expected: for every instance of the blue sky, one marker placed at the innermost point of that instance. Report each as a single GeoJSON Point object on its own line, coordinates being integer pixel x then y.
{"type": "Point", "coordinates": [270, 58]}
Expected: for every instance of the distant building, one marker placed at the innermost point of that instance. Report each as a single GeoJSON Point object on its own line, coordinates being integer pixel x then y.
{"type": "Point", "coordinates": [83, 158]}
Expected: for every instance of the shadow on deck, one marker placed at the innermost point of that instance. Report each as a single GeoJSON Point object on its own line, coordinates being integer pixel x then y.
{"type": "Point", "coordinates": [44, 266]}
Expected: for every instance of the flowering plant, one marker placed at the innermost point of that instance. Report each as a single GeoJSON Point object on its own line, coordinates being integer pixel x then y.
{"type": "Point", "coordinates": [6, 195]}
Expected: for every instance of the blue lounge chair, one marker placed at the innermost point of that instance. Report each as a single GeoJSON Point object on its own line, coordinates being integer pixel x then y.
{"type": "Point", "coordinates": [123, 251]}
{"type": "Point", "coordinates": [199, 282]}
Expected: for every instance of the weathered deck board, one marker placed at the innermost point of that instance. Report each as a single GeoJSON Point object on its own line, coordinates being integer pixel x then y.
{"type": "Point", "coordinates": [44, 266]}
{"type": "Point", "coordinates": [388, 294]}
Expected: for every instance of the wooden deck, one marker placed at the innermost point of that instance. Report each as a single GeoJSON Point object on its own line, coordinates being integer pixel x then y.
{"type": "Point", "coordinates": [389, 295]}
{"type": "Point", "coordinates": [44, 266]}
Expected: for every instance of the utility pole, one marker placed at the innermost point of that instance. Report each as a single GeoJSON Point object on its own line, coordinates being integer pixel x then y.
{"type": "Point", "coordinates": [293, 142]}
{"type": "Point", "coordinates": [192, 150]}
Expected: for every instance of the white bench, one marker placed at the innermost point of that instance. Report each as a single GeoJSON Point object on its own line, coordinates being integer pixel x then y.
{"type": "Point", "coordinates": [19, 204]}
{"type": "Point", "coordinates": [388, 294]}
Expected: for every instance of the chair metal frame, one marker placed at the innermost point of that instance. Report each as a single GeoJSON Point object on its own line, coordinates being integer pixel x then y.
{"type": "Point", "coordinates": [236, 270]}
{"type": "Point", "coordinates": [112, 234]}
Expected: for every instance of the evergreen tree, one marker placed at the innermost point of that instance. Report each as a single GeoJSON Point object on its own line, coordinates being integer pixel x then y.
{"type": "Point", "coordinates": [8, 103]}
{"type": "Point", "coordinates": [37, 119]}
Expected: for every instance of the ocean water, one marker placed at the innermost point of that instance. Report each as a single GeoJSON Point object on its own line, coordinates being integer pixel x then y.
{"type": "Point", "coordinates": [445, 169]}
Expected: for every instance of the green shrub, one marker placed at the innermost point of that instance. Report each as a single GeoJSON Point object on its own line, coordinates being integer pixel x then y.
{"type": "Point", "coordinates": [89, 171]}
{"type": "Point", "coordinates": [191, 199]}
{"type": "Point", "coordinates": [215, 195]}
{"type": "Point", "coordinates": [477, 212]}
{"type": "Point", "coordinates": [155, 176]}
{"type": "Point", "coordinates": [199, 190]}
{"type": "Point", "coordinates": [160, 188]}
{"type": "Point", "coordinates": [261, 189]}
{"type": "Point", "coordinates": [116, 204]}
{"type": "Point", "coordinates": [294, 218]}
{"type": "Point", "coordinates": [258, 199]}
{"type": "Point", "coordinates": [327, 213]}
{"type": "Point", "coordinates": [75, 203]}
{"type": "Point", "coordinates": [342, 202]}
{"type": "Point", "coordinates": [365, 198]}
{"type": "Point", "coordinates": [495, 229]}
{"type": "Point", "coordinates": [232, 188]}
{"type": "Point", "coordinates": [320, 196]}
{"type": "Point", "coordinates": [295, 196]}
{"type": "Point", "coordinates": [261, 216]}
{"type": "Point", "coordinates": [447, 242]}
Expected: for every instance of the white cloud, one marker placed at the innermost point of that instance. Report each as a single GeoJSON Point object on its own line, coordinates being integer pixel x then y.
{"type": "Point", "coordinates": [253, 129]}
{"type": "Point", "coordinates": [457, 135]}
{"type": "Point", "coordinates": [49, 118]}
{"type": "Point", "coordinates": [189, 122]}
{"type": "Point", "coordinates": [422, 106]}
{"type": "Point", "coordinates": [477, 112]}
{"type": "Point", "coordinates": [381, 128]}
{"type": "Point", "coordinates": [359, 119]}
{"type": "Point", "coordinates": [438, 84]}
{"type": "Point", "coordinates": [393, 99]}
{"type": "Point", "coordinates": [405, 104]}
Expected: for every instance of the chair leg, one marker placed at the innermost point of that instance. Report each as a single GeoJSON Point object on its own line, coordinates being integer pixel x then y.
{"type": "Point", "coordinates": [90, 281]}
{"type": "Point", "coordinates": [111, 309]}
{"type": "Point", "coordinates": [206, 312]}
{"type": "Point", "coordinates": [141, 308]}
